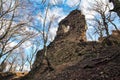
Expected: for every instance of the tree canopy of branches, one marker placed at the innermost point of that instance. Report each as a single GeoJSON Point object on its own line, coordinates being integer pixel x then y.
{"type": "Point", "coordinates": [14, 31]}
{"type": "Point", "coordinates": [46, 25]}
{"type": "Point", "coordinates": [116, 8]}
{"type": "Point", "coordinates": [102, 17]}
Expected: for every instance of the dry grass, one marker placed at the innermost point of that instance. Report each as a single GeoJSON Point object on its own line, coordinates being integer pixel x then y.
{"type": "Point", "coordinates": [11, 75]}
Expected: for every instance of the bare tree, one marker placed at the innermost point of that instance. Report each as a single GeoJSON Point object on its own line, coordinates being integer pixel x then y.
{"type": "Point", "coordinates": [13, 30]}
{"type": "Point", "coordinates": [3, 66]}
{"type": "Point", "coordinates": [31, 56]}
{"type": "Point", "coordinates": [22, 58]}
{"type": "Point", "coordinates": [12, 62]}
{"type": "Point", "coordinates": [44, 31]}
{"type": "Point", "coordinates": [45, 36]}
{"type": "Point", "coordinates": [103, 19]}
{"type": "Point", "coordinates": [116, 8]}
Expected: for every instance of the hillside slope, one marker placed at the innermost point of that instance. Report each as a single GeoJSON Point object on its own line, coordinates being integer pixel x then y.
{"type": "Point", "coordinates": [74, 58]}
{"type": "Point", "coordinates": [84, 61]}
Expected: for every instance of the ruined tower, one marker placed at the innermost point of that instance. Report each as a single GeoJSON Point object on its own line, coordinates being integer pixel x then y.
{"type": "Point", "coordinates": [73, 27]}
{"type": "Point", "coordinates": [72, 30]}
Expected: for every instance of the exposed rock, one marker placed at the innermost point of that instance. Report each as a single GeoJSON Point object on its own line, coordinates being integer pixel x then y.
{"type": "Point", "coordinates": [72, 28]}
{"type": "Point", "coordinates": [113, 39]}
{"type": "Point", "coordinates": [74, 58]}
{"type": "Point", "coordinates": [116, 33]}
{"type": "Point", "coordinates": [105, 67]}
{"type": "Point", "coordinates": [7, 75]}
{"type": "Point", "coordinates": [71, 31]}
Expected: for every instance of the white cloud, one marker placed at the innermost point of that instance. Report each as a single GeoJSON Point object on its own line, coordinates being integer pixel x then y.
{"type": "Point", "coordinates": [11, 44]}
{"type": "Point", "coordinates": [72, 3]}
{"type": "Point", "coordinates": [27, 44]}
{"type": "Point", "coordinates": [89, 16]}
{"type": "Point", "coordinates": [52, 33]}
{"type": "Point", "coordinates": [85, 9]}
{"type": "Point", "coordinates": [56, 14]}
{"type": "Point", "coordinates": [54, 2]}
{"type": "Point", "coordinates": [87, 4]}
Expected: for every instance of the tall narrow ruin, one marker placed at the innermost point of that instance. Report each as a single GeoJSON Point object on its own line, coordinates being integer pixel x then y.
{"type": "Point", "coordinates": [73, 27]}
{"type": "Point", "coordinates": [71, 31]}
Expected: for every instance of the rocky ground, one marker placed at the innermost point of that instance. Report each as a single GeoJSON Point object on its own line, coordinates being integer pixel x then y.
{"type": "Point", "coordinates": [80, 61]}
{"type": "Point", "coordinates": [11, 75]}
{"type": "Point", "coordinates": [74, 58]}
{"type": "Point", "coordinates": [104, 67]}
{"type": "Point", "coordinates": [83, 61]}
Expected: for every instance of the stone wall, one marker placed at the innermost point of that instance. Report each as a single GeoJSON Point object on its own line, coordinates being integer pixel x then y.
{"type": "Point", "coordinates": [72, 28]}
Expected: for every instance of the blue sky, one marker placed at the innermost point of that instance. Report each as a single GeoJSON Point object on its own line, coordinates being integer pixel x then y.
{"type": "Point", "coordinates": [61, 8]}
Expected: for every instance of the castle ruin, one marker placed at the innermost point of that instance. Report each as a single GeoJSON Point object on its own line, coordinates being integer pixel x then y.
{"type": "Point", "coordinates": [73, 27]}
